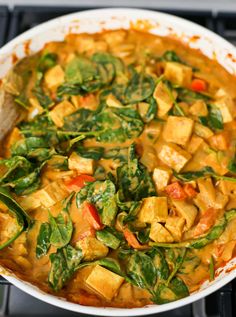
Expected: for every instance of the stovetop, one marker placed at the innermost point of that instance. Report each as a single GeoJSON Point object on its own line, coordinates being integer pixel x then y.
{"type": "Point", "coordinates": [14, 302]}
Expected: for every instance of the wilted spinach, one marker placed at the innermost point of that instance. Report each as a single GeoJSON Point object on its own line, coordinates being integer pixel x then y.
{"type": "Point", "coordinates": [43, 240]}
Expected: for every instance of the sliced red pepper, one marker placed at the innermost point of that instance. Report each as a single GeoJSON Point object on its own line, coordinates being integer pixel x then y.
{"type": "Point", "coordinates": [90, 213]}
{"type": "Point", "coordinates": [198, 85]}
{"type": "Point", "coordinates": [176, 191]}
{"type": "Point", "coordinates": [132, 240]}
{"type": "Point", "coordinates": [206, 221]}
{"type": "Point", "coordinates": [190, 191]}
{"type": "Point", "coordinates": [75, 184]}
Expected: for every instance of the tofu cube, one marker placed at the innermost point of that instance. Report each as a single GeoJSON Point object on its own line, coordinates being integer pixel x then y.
{"type": "Point", "coordinates": [178, 73]}
{"type": "Point", "coordinates": [207, 190]}
{"type": "Point", "coordinates": [178, 130]}
{"type": "Point", "coordinates": [60, 111]}
{"type": "Point", "coordinates": [220, 141]}
{"type": "Point", "coordinates": [163, 99]}
{"type": "Point", "coordinates": [149, 158]}
{"type": "Point", "coordinates": [159, 233]}
{"type": "Point", "coordinates": [175, 226]}
{"type": "Point", "coordinates": [199, 108]}
{"type": "Point", "coordinates": [161, 177]}
{"type": "Point", "coordinates": [202, 131]}
{"type": "Point", "coordinates": [92, 248]}
{"type": "Point", "coordinates": [226, 106]}
{"type": "Point", "coordinates": [221, 200]}
{"type": "Point", "coordinates": [153, 209]}
{"type": "Point", "coordinates": [173, 156]}
{"type": "Point", "coordinates": [104, 282]}
{"type": "Point", "coordinates": [187, 211]}
{"type": "Point", "coordinates": [194, 144]}
{"type": "Point", "coordinates": [51, 194]}
{"type": "Point", "coordinates": [54, 77]}
{"type": "Point", "coordinates": [113, 102]}
{"type": "Point", "coordinates": [35, 108]}
{"type": "Point", "coordinates": [81, 164]}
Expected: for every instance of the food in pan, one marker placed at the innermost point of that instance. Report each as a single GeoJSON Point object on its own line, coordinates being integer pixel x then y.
{"type": "Point", "coordinates": [118, 178]}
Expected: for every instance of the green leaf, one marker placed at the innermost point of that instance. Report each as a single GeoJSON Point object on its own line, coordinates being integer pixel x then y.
{"type": "Point", "coordinates": [212, 269]}
{"type": "Point", "coordinates": [63, 265]}
{"type": "Point", "coordinates": [62, 226]}
{"type": "Point", "coordinates": [46, 61]}
{"type": "Point", "coordinates": [22, 219]}
{"type": "Point", "coordinates": [141, 270]}
{"type": "Point", "coordinates": [160, 263]}
{"type": "Point", "coordinates": [102, 195]}
{"type": "Point", "coordinates": [108, 238]}
{"type": "Point", "coordinates": [79, 70]}
{"type": "Point", "coordinates": [95, 153]}
{"type": "Point", "coordinates": [188, 95]}
{"type": "Point", "coordinates": [171, 56]}
{"type": "Point", "coordinates": [134, 180]}
{"type": "Point", "coordinates": [110, 264]}
{"type": "Point", "coordinates": [140, 87]}
{"type": "Point", "coordinates": [43, 240]}
{"type": "Point", "coordinates": [165, 294]}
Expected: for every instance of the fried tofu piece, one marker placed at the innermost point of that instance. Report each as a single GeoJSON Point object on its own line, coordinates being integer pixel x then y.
{"type": "Point", "coordinates": [199, 108]}
{"type": "Point", "coordinates": [92, 248]}
{"type": "Point", "coordinates": [153, 209]}
{"type": "Point", "coordinates": [161, 177]}
{"type": "Point", "coordinates": [173, 156]}
{"type": "Point", "coordinates": [178, 130]}
{"type": "Point", "coordinates": [202, 131]}
{"type": "Point", "coordinates": [178, 73]}
{"type": "Point", "coordinates": [220, 141]}
{"type": "Point", "coordinates": [104, 282]}
{"type": "Point", "coordinates": [194, 144]}
{"type": "Point", "coordinates": [207, 190]}
{"type": "Point", "coordinates": [35, 108]}
{"type": "Point", "coordinates": [163, 99]}
{"type": "Point", "coordinates": [159, 233]}
{"type": "Point", "coordinates": [60, 111]}
{"type": "Point", "coordinates": [54, 77]}
{"type": "Point", "coordinates": [226, 107]}
{"type": "Point", "coordinates": [175, 226]}
{"type": "Point", "coordinates": [81, 164]}
{"type": "Point", "coordinates": [149, 158]}
{"type": "Point", "coordinates": [187, 211]}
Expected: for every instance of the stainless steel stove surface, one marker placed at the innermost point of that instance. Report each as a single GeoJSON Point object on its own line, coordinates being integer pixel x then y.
{"type": "Point", "coordinates": [14, 302]}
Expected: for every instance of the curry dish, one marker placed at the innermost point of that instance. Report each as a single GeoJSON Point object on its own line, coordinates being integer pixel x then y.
{"type": "Point", "coordinates": [117, 169]}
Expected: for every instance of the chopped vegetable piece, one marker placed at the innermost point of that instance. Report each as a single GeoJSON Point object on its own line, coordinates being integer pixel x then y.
{"type": "Point", "coordinates": [90, 213]}
{"type": "Point", "coordinates": [176, 191]}
{"type": "Point", "coordinates": [198, 85]}
{"type": "Point", "coordinates": [75, 184]}
{"type": "Point", "coordinates": [132, 240]}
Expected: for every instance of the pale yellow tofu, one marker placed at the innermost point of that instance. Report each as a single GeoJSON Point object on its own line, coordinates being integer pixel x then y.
{"type": "Point", "coordinates": [51, 194]}
{"type": "Point", "coordinates": [227, 187]}
{"type": "Point", "coordinates": [152, 130]}
{"type": "Point", "coordinates": [60, 111]}
{"type": "Point", "coordinates": [178, 130]}
{"type": "Point", "coordinates": [113, 102]}
{"type": "Point", "coordinates": [178, 73]}
{"type": "Point", "coordinates": [226, 106]}
{"type": "Point", "coordinates": [161, 177]}
{"type": "Point", "coordinates": [104, 282]}
{"type": "Point", "coordinates": [163, 99]}
{"type": "Point", "coordinates": [143, 109]}
{"type": "Point", "coordinates": [153, 209]}
{"type": "Point", "coordinates": [175, 226]}
{"type": "Point", "coordinates": [35, 108]}
{"type": "Point", "coordinates": [199, 108]}
{"type": "Point", "coordinates": [173, 156]}
{"type": "Point", "coordinates": [187, 211]}
{"type": "Point", "coordinates": [92, 248]}
{"type": "Point", "coordinates": [159, 233]}
{"type": "Point", "coordinates": [149, 158]}
{"type": "Point", "coordinates": [207, 190]}
{"type": "Point", "coordinates": [81, 164]}
{"type": "Point", "coordinates": [54, 77]}
{"type": "Point", "coordinates": [202, 131]}
{"type": "Point", "coordinates": [221, 200]}
{"type": "Point", "coordinates": [213, 161]}
{"type": "Point", "coordinates": [194, 144]}
{"type": "Point", "coordinates": [30, 202]}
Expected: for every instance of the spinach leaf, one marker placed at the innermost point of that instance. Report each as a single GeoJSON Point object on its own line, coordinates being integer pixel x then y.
{"type": "Point", "coordinates": [102, 195]}
{"type": "Point", "coordinates": [171, 56]}
{"type": "Point", "coordinates": [212, 269]}
{"type": "Point", "coordinates": [110, 264]}
{"type": "Point", "coordinates": [143, 235]}
{"type": "Point", "coordinates": [43, 240]}
{"type": "Point", "coordinates": [63, 265]}
{"type": "Point", "coordinates": [133, 179]}
{"type": "Point", "coordinates": [141, 270]}
{"type": "Point", "coordinates": [108, 238]}
{"type": "Point", "coordinates": [22, 219]}
{"type": "Point", "coordinates": [151, 112]}
{"type": "Point", "coordinates": [177, 265]}
{"type": "Point", "coordinates": [140, 87]}
{"type": "Point", "coordinates": [108, 59]}
{"type": "Point", "coordinates": [44, 100]}
{"type": "Point", "coordinates": [24, 146]}
{"type": "Point", "coordinates": [174, 291]}
{"type": "Point", "coordinates": [214, 118]}
{"type": "Point", "coordinates": [13, 168]}
{"type": "Point", "coordinates": [62, 226]}
{"type": "Point", "coordinates": [116, 153]}
{"type": "Point", "coordinates": [159, 260]}
{"type": "Point", "coordinates": [188, 95]}
{"type": "Point", "coordinates": [205, 171]}
{"type": "Point", "coordinates": [95, 153]}
{"type": "Point", "coordinates": [79, 70]}
{"type": "Point", "coordinates": [46, 61]}
{"type": "Point", "coordinates": [232, 165]}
